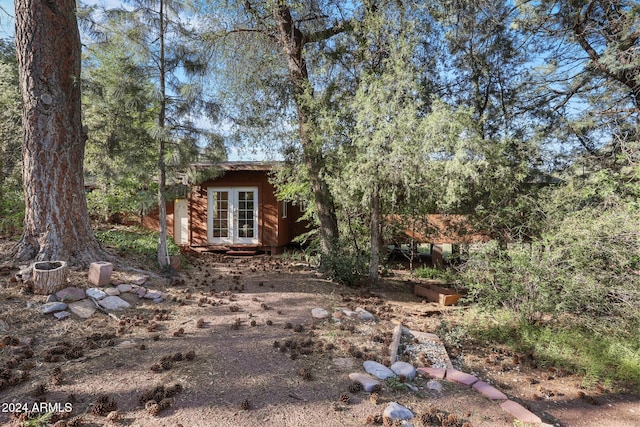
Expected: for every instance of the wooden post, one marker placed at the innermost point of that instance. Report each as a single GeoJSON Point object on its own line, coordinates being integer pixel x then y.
{"type": "Point", "coordinates": [49, 276]}
{"type": "Point", "coordinates": [395, 343]}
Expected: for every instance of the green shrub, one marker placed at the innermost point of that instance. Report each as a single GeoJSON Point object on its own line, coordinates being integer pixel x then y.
{"type": "Point", "coordinates": [11, 211]}
{"type": "Point", "coordinates": [435, 273]}
{"type": "Point", "coordinates": [345, 267]}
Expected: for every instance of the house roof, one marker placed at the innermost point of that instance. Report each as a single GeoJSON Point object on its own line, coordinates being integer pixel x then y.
{"type": "Point", "coordinates": [238, 165]}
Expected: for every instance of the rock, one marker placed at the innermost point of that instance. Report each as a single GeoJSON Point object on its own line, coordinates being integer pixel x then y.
{"type": "Point", "coordinates": [111, 291]}
{"type": "Point", "coordinates": [378, 370]}
{"type": "Point", "coordinates": [437, 373]}
{"type": "Point", "coordinates": [459, 377]}
{"type": "Point", "coordinates": [364, 314]}
{"type": "Point", "coordinates": [404, 369]}
{"type": "Point", "coordinates": [140, 292]}
{"type": "Point", "coordinates": [52, 298]}
{"type": "Point", "coordinates": [95, 293]}
{"type": "Point", "coordinates": [83, 309]}
{"type": "Point", "coordinates": [114, 303]}
{"type": "Point", "coordinates": [51, 307]}
{"type": "Point", "coordinates": [100, 273]}
{"type": "Point", "coordinates": [434, 386]}
{"type": "Point", "coordinates": [319, 313]}
{"type": "Point", "coordinates": [349, 313]}
{"type": "Point", "coordinates": [61, 315]}
{"type": "Point", "coordinates": [396, 411]}
{"type": "Point", "coordinates": [125, 287]}
{"type": "Point", "coordinates": [129, 297]}
{"type": "Point", "coordinates": [70, 294]}
{"type": "Point", "coordinates": [141, 280]}
{"type": "Point", "coordinates": [158, 300]}
{"type": "Point", "coordinates": [152, 295]}
{"type": "Point", "coordinates": [369, 384]}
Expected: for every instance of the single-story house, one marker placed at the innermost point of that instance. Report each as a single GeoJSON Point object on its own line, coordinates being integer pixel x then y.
{"type": "Point", "coordinates": [236, 212]}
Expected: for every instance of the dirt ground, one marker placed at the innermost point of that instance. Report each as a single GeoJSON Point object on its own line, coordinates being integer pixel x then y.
{"type": "Point", "coordinates": [234, 344]}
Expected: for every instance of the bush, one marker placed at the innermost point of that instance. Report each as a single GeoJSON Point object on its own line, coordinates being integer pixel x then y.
{"type": "Point", "coordinates": [587, 265]}
{"type": "Point", "coordinates": [11, 211]}
{"type": "Point", "coordinates": [345, 267]}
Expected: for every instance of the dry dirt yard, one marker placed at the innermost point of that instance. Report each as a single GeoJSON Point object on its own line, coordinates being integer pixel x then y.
{"type": "Point", "coordinates": [234, 344]}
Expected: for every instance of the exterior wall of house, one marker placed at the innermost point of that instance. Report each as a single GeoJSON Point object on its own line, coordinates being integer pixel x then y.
{"type": "Point", "coordinates": [151, 221]}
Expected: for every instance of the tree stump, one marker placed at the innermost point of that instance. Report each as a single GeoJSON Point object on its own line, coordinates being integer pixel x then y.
{"type": "Point", "coordinates": [49, 277]}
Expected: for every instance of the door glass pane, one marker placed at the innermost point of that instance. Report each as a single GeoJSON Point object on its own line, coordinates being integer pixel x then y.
{"type": "Point", "coordinates": [220, 226]}
{"type": "Point", "coordinates": [246, 226]}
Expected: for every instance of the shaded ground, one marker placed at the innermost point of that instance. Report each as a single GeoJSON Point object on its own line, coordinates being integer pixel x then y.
{"type": "Point", "coordinates": [259, 358]}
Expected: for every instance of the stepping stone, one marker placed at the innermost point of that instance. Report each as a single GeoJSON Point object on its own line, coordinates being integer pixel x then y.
{"type": "Point", "coordinates": [95, 293]}
{"type": "Point", "coordinates": [100, 273]}
{"type": "Point", "coordinates": [125, 287]}
{"type": "Point", "coordinates": [396, 411]}
{"type": "Point", "coordinates": [70, 294]}
{"type": "Point", "coordinates": [459, 377]}
{"type": "Point", "coordinates": [112, 291]}
{"type": "Point", "coordinates": [488, 391]}
{"type": "Point", "coordinates": [83, 309]}
{"type": "Point", "coordinates": [51, 307]}
{"type": "Point", "coordinates": [369, 384]}
{"type": "Point", "coordinates": [364, 314]}
{"type": "Point", "coordinates": [404, 369]}
{"type": "Point", "coordinates": [319, 313]}
{"type": "Point", "coordinates": [61, 315]}
{"type": "Point", "coordinates": [129, 297]}
{"type": "Point", "coordinates": [350, 313]}
{"type": "Point", "coordinates": [437, 373]}
{"type": "Point", "coordinates": [520, 412]}
{"type": "Point", "coordinates": [141, 280]}
{"type": "Point", "coordinates": [152, 295]}
{"type": "Point", "coordinates": [378, 370]}
{"type": "Point", "coordinates": [114, 303]}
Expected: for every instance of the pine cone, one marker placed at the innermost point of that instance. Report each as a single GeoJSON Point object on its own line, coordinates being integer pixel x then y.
{"type": "Point", "coordinates": [190, 355]}
{"type": "Point", "coordinates": [374, 398]}
{"type": "Point", "coordinates": [152, 407]}
{"type": "Point", "coordinates": [164, 404]}
{"type": "Point", "coordinates": [345, 398]}
{"type": "Point", "coordinates": [245, 405]}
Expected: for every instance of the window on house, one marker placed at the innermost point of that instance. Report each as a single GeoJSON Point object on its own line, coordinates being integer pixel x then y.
{"type": "Point", "coordinates": [284, 209]}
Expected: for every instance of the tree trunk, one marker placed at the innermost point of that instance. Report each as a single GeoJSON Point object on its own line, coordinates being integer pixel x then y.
{"type": "Point", "coordinates": [374, 261]}
{"type": "Point", "coordinates": [163, 249]}
{"type": "Point", "coordinates": [292, 40]}
{"type": "Point", "coordinates": [56, 224]}
{"type": "Point", "coordinates": [49, 277]}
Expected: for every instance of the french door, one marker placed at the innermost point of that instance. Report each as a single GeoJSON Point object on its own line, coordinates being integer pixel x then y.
{"type": "Point", "coordinates": [232, 215]}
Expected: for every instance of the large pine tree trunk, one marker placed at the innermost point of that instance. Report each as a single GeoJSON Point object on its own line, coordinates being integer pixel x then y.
{"type": "Point", "coordinates": [292, 41]}
{"type": "Point", "coordinates": [57, 224]}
